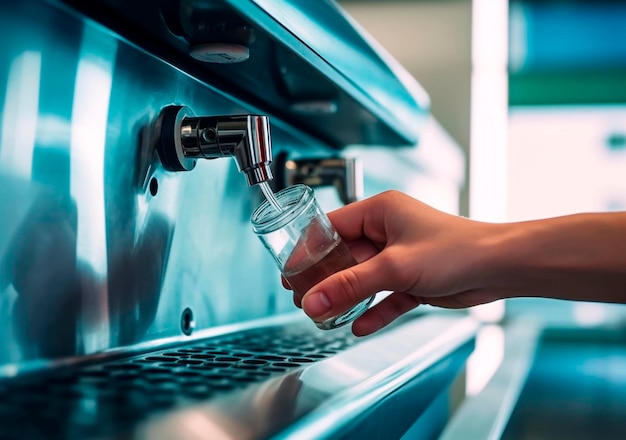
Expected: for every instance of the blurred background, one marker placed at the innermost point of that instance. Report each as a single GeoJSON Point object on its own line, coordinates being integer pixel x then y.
{"type": "Point", "coordinates": [534, 91]}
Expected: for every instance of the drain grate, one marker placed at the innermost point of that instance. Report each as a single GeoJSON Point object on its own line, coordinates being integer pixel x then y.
{"type": "Point", "coordinates": [107, 399]}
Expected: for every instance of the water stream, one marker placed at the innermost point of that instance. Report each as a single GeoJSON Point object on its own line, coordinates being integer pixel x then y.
{"type": "Point", "coordinates": [269, 195]}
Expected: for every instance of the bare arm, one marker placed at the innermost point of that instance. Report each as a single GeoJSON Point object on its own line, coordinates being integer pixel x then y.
{"type": "Point", "coordinates": [426, 256]}
{"type": "Point", "coordinates": [578, 257]}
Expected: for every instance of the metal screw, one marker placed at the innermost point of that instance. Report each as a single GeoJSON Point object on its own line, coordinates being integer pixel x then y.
{"type": "Point", "coordinates": [187, 323]}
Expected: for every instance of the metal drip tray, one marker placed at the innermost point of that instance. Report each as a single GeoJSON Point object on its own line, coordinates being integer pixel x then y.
{"type": "Point", "coordinates": [105, 398]}
{"type": "Point", "coordinates": [111, 399]}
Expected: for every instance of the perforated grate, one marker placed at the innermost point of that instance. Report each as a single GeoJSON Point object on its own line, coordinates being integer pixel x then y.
{"type": "Point", "coordinates": [108, 398]}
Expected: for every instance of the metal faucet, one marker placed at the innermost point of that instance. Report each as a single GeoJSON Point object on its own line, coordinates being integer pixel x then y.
{"type": "Point", "coordinates": [186, 138]}
{"type": "Point", "coordinates": [345, 174]}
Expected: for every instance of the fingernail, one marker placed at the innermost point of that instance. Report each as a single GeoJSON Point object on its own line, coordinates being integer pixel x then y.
{"type": "Point", "coordinates": [316, 304]}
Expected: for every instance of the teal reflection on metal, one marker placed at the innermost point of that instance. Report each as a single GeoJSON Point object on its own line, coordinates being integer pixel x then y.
{"type": "Point", "coordinates": [391, 93]}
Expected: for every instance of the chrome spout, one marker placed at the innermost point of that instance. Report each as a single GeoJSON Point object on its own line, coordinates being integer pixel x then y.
{"type": "Point", "coordinates": [186, 138]}
{"type": "Point", "coordinates": [344, 174]}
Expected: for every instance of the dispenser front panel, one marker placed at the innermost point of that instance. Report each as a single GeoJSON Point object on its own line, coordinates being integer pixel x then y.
{"type": "Point", "coordinates": [100, 246]}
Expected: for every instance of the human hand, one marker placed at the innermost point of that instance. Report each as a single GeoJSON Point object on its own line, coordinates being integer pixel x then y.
{"type": "Point", "coordinates": [422, 255]}
{"type": "Point", "coordinates": [425, 256]}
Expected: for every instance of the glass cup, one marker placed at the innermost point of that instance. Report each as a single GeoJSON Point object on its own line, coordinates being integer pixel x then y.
{"type": "Point", "coordinates": [305, 245]}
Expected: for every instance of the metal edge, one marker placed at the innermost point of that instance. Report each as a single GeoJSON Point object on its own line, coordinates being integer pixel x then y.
{"type": "Point", "coordinates": [344, 407]}
{"type": "Point", "coordinates": [11, 371]}
{"type": "Point", "coordinates": [485, 416]}
{"type": "Point", "coordinates": [292, 41]}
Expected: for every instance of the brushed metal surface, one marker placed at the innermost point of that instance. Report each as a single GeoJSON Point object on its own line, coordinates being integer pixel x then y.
{"type": "Point", "coordinates": [305, 61]}
{"type": "Point", "coordinates": [280, 379]}
{"type": "Point", "coordinates": [337, 397]}
{"type": "Point", "coordinates": [100, 247]}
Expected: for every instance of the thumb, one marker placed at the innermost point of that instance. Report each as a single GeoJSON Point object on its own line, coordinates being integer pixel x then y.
{"type": "Point", "coordinates": [343, 290]}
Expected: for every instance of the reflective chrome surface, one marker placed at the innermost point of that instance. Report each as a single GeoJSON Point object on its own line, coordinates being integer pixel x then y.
{"type": "Point", "coordinates": [377, 81]}
{"type": "Point", "coordinates": [344, 174]}
{"type": "Point", "coordinates": [333, 398]}
{"type": "Point", "coordinates": [277, 379]}
{"type": "Point", "coordinates": [302, 60]}
{"type": "Point", "coordinates": [486, 415]}
{"type": "Point", "coordinates": [186, 138]}
{"type": "Point", "coordinates": [101, 247]}
{"type": "Point", "coordinates": [105, 252]}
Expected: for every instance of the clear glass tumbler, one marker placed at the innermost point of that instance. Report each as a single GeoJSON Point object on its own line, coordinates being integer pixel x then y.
{"type": "Point", "coordinates": [305, 245]}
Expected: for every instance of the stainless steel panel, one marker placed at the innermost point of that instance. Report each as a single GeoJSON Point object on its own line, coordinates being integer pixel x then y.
{"type": "Point", "coordinates": [486, 414]}
{"type": "Point", "coordinates": [105, 256]}
{"type": "Point", "coordinates": [282, 380]}
{"type": "Point", "coordinates": [303, 60]}
{"type": "Point", "coordinates": [99, 246]}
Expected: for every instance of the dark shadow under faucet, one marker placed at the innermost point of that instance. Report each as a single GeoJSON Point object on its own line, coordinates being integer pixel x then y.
{"type": "Point", "coordinates": [185, 138]}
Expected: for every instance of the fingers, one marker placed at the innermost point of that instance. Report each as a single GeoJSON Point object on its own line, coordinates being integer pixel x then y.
{"type": "Point", "coordinates": [297, 299]}
{"type": "Point", "coordinates": [361, 250]}
{"type": "Point", "coordinates": [342, 290]}
{"type": "Point", "coordinates": [285, 283]}
{"type": "Point", "coordinates": [383, 313]}
{"type": "Point", "coordinates": [360, 219]}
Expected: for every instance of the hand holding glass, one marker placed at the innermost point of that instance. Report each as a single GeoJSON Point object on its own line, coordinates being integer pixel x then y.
{"type": "Point", "coordinates": [305, 245]}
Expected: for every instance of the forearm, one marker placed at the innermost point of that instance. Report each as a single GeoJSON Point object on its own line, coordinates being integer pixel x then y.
{"type": "Point", "coordinates": [578, 257]}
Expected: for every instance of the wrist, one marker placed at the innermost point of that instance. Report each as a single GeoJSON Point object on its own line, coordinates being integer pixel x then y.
{"type": "Point", "coordinates": [498, 258]}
